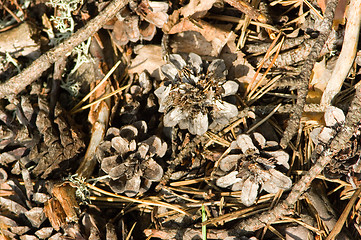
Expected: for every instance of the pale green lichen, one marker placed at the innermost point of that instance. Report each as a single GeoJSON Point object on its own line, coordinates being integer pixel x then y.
{"type": "Point", "coordinates": [63, 22]}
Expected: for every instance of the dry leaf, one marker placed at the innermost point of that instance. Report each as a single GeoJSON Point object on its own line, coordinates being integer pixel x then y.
{"type": "Point", "coordinates": [340, 12]}
{"type": "Point", "coordinates": [149, 58]}
{"type": "Point", "coordinates": [158, 18]}
{"type": "Point", "coordinates": [22, 40]}
{"type": "Point", "coordinates": [238, 67]}
{"type": "Point", "coordinates": [319, 78]}
{"type": "Point", "coordinates": [200, 37]}
{"type": "Point", "coordinates": [197, 8]}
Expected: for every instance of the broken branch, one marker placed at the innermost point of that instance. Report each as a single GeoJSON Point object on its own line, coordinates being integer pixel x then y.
{"type": "Point", "coordinates": [294, 122]}
{"type": "Point", "coordinates": [17, 83]}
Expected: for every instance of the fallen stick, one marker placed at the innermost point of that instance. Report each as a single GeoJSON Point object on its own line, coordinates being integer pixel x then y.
{"type": "Point", "coordinates": [347, 55]}
{"type": "Point", "coordinates": [306, 70]}
{"type": "Point", "coordinates": [337, 144]}
{"type": "Point", "coordinates": [17, 83]}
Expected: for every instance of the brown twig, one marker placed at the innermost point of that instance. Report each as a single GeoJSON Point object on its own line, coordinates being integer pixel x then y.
{"type": "Point", "coordinates": [294, 121]}
{"type": "Point", "coordinates": [338, 143]}
{"type": "Point", "coordinates": [10, 12]}
{"type": "Point", "coordinates": [17, 83]}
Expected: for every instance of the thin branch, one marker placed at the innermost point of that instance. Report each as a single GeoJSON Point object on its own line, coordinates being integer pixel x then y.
{"type": "Point", "coordinates": [17, 83]}
{"type": "Point", "coordinates": [294, 121]}
{"type": "Point", "coordinates": [337, 144]}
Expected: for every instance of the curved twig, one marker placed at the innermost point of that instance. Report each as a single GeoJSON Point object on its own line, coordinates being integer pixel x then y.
{"type": "Point", "coordinates": [347, 55]}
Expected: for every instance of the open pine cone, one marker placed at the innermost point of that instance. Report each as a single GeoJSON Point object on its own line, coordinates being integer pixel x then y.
{"type": "Point", "coordinates": [139, 22]}
{"type": "Point", "coordinates": [129, 158]}
{"type": "Point", "coordinates": [194, 95]}
{"type": "Point", "coordinates": [251, 169]}
{"type": "Point", "coordinates": [35, 140]}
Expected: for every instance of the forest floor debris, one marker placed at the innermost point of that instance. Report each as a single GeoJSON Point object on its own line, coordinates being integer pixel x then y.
{"type": "Point", "coordinates": [137, 119]}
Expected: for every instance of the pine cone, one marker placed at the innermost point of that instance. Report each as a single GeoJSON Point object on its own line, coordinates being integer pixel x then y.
{"type": "Point", "coordinates": [194, 94]}
{"type": "Point", "coordinates": [140, 22]}
{"type": "Point", "coordinates": [253, 169]}
{"type": "Point", "coordinates": [129, 160]}
{"type": "Point", "coordinates": [37, 141]}
{"type": "Point", "coordinates": [22, 215]}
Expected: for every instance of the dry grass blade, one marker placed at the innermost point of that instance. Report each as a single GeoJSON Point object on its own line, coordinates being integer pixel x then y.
{"type": "Point", "coordinates": [241, 21]}
{"type": "Point", "coordinates": [308, 226]}
{"type": "Point", "coordinates": [260, 65]}
{"type": "Point", "coordinates": [246, 8]}
{"type": "Point", "coordinates": [278, 49]}
{"type": "Point", "coordinates": [134, 200]}
{"type": "Point", "coordinates": [274, 231]}
{"type": "Point", "coordinates": [216, 139]}
{"type": "Point", "coordinates": [189, 182]}
{"type": "Point", "coordinates": [170, 189]}
{"type": "Point", "coordinates": [265, 89]}
{"type": "Point", "coordinates": [131, 231]}
{"type": "Point", "coordinates": [101, 99]}
{"type": "Point", "coordinates": [318, 14]}
{"type": "Point", "coordinates": [237, 214]}
{"type": "Point", "coordinates": [75, 108]}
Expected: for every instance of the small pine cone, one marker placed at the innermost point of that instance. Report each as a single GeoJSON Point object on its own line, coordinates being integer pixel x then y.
{"type": "Point", "coordinates": [194, 95]}
{"type": "Point", "coordinates": [129, 158]}
{"type": "Point", "coordinates": [139, 22]}
{"type": "Point", "coordinates": [34, 139]}
{"type": "Point", "coordinates": [251, 169]}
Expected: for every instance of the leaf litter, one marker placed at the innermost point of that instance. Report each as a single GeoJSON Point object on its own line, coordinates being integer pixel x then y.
{"type": "Point", "coordinates": [180, 136]}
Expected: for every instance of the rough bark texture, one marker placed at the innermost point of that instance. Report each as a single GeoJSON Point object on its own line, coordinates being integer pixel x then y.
{"type": "Point", "coordinates": [294, 122]}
